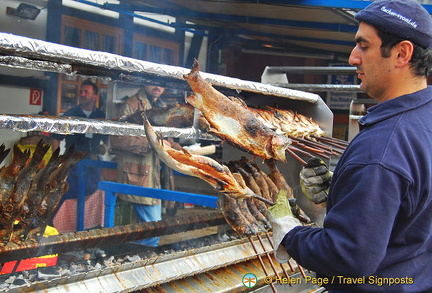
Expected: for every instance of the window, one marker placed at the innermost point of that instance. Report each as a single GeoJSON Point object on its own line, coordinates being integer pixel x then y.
{"type": "Point", "coordinates": [88, 35]}
{"type": "Point", "coordinates": [155, 50]}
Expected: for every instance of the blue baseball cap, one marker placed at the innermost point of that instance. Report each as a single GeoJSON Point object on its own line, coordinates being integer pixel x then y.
{"type": "Point", "coordinates": [405, 19]}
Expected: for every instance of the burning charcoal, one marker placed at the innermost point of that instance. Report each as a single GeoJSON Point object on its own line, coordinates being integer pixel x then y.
{"type": "Point", "coordinates": [65, 272]}
{"type": "Point", "coordinates": [47, 273]}
{"type": "Point", "coordinates": [78, 268]}
{"type": "Point", "coordinates": [109, 262]}
{"type": "Point", "coordinates": [5, 281]}
{"type": "Point", "coordinates": [97, 266]}
{"type": "Point", "coordinates": [10, 280]}
{"type": "Point", "coordinates": [3, 286]}
{"type": "Point", "coordinates": [19, 281]}
{"type": "Point", "coordinates": [73, 268]}
{"type": "Point", "coordinates": [30, 275]}
{"type": "Point", "coordinates": [133, 258]}
{"type": "Point", "coordinates": [223, 237]}
{"type": "Point", "coordinates": [89, 265]}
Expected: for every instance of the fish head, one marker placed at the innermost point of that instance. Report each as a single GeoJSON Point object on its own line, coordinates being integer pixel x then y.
{"type": "Point", "coordinates": [279, 143]}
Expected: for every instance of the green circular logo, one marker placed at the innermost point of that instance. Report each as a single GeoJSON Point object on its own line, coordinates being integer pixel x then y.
{"type": "Point", "coordinates": [249, 280]}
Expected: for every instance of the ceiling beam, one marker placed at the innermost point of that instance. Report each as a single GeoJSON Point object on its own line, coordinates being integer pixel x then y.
{"type": "Point", "coordinates": [191, 14]}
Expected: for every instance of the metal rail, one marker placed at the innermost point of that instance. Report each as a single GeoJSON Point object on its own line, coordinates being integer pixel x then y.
{"type": "Point", "coordinates": [81, 240]}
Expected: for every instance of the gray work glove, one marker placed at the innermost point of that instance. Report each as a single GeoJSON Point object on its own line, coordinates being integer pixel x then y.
{"type": "Point", "coordinates": [315, 180]}
{"type": "Point", "coordinates": [282, 221]}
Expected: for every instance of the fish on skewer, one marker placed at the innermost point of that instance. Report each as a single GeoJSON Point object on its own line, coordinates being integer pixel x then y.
{"type": "Point", "coordinates": [56, 188]}
{"type": "Point", "coordinates": [246, 208]}
{"type": "Point", "coordinates": [177, 115]}
{"type": "Point", "coordinates": [251, 183]}
{"type": "Point", "coordinates": [12, 206]}
{"type": "Point", "coordinates": [234, 217]}
{"type": "Point", "coordinates": [282, 184]}
{"type": "Point", "coordinates": [217, 175]}
{"type": "Point", "coordinates": [8, 174]}
{"type": "Point", "coordinates": [232, 120]}
{"type": "Point", "coordinates": [36, 193]}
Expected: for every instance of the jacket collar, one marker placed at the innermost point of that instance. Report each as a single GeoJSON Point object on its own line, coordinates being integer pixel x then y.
{"type": "Point", "coordinates": [394, 107]}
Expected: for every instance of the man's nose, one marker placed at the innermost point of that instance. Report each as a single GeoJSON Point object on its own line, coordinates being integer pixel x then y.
{"type": "Point", "coordinates": [353, 59]}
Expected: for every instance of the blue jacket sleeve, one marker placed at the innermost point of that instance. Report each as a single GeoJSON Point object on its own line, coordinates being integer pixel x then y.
{"type": "Point", "coordinates": [363, 203]}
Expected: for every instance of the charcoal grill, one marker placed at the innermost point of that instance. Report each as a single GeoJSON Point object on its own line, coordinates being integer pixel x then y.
{"type": "Point", "coordinates": [213, 268]}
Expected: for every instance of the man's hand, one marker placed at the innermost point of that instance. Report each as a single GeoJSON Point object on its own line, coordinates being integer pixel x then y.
{"type": "Point", "coordinates": [282, 220]}
{"type": "Point", "coordinates": [315, 180]}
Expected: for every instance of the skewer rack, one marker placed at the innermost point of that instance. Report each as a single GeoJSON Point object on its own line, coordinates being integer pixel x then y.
{"type": "Point", "coordinates": [31, 54]}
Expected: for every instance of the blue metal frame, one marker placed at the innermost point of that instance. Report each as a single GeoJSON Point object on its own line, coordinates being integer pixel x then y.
{"type": "Point", "coordinates": [111, 188]}
{"type": "Point", "coordinates": [82, 165]}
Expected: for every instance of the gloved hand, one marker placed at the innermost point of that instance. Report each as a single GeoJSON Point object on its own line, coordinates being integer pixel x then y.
{"type": "Point", "coordinates": [282, 221]}
{"type": "Point", "coordinates": [315, 180]}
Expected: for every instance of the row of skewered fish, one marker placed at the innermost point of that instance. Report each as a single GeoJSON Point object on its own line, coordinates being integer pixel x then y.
{"type": "Point", "coordinates": [30, 190]}
{"type": "Point", "coordinates": [247, 216]}
{"type": "Point", "coordinates": [245, 190]}
{"type": "Point", "coordinates": [267, 133]}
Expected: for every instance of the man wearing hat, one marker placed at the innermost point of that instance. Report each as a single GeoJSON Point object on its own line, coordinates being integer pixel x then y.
{"type": "Point", "coordinates": [377, 234]}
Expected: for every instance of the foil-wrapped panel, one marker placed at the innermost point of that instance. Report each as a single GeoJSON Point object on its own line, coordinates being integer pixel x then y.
{"type": "Point", "coordinates": [71, 56]}
{"type": "Point", "coordinates": [74, 125]}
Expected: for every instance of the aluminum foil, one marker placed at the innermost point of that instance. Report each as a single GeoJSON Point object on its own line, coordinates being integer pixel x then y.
{"type": "Point", "coordinates": [38, 49]}
{"type": "Point", "coordinates": [73, 125]}
{"type": "Point", "coordinates": [25, 63]}
{"type": "Point", "coordinates": [323, 87]}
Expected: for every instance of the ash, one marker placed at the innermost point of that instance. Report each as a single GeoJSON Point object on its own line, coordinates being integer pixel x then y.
{"type": "Point", "coordinates": [96, 259]}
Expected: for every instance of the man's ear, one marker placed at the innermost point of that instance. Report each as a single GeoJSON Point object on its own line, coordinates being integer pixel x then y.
{"type": "Point", "coordinates": [404, 51]}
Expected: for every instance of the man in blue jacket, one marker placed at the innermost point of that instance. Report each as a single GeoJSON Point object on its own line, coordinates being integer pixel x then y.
{"type": "Point", "coordinates": [377, 234]}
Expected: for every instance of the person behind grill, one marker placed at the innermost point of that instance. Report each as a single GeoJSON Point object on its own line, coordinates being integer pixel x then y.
{"type": "Point", "coordinates": [89, 142]}
{"type": "Point", "coordinates": [137, 163]}
{"type": "Point", "coordinates": [377, 233]}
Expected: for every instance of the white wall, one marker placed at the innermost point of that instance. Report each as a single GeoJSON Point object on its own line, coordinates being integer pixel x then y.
{"type": "Point", "coordinates": [15, 100]}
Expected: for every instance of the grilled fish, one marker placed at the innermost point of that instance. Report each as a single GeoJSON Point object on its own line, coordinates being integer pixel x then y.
{"type": "Point", "coordinates": [234, 217]}
{"type": "Point", "coordinates": [56, 188]}
{"type": "Point", "coordinates": [281, 183]}
{"type": "Point", "coordinates": [8, 174]}
{"type": "Point", "coordinates": [177, 115]}
{"type": "Point", "coordinates": [12, 206]}
{"type": "Point", "coordinates": [36, 193]}
{"type": "Point", "coordinates": [217, 175]}
{"type": "Point", "coordinates": [232, 120]}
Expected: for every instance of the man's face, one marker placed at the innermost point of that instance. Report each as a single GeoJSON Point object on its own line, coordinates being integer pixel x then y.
{"type": "Point", "coordinates": [87, 98]}
{"type": "Point", "coordinates": [154, 91]}
{"type": "Point", "coordinates": [372, 69]}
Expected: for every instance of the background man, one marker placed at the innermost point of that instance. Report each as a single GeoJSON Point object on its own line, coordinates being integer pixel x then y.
{"type": "Point", "coordinates": [88, 142]}
{"type": "Point", "coordinates": [137, 164]}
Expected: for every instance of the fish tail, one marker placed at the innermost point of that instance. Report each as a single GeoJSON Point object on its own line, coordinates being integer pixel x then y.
{"type": "Point", "coordinates": [39, 153]}
{"type": "Point", "coordinates": [3, 152]}
{"type": "Point", "coordinates": [20, 157]}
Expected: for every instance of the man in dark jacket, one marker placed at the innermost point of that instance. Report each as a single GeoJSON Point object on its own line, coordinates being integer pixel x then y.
{"type": "Point", "coordinates": [88, 142]}
{"type": "Point", "coordinates": [377, 234]}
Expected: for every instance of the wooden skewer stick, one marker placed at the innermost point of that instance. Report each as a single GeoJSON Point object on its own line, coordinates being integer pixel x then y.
{"type": "Point", "coordinates": [262, 263]}
{"type": "Point", "coordinates": [288, 150]}
{"type": "Point", "coordinates": [268, 256]}
{"type": "Point", "coordinates": [271, 244]}
{"type": "Point", "coordinates": [271, 260]}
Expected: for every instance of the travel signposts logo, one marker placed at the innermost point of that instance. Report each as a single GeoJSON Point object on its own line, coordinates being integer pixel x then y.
{"type": "Point", "coordinates": [249, 280]}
